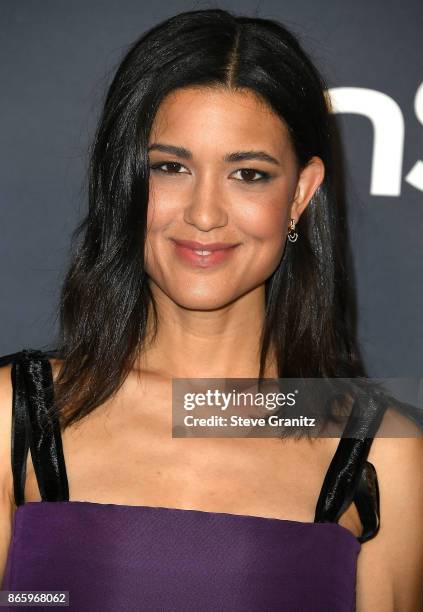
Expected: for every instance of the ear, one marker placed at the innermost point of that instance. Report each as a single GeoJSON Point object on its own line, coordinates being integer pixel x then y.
{"type": "Point", "coordinates": [311, 176]}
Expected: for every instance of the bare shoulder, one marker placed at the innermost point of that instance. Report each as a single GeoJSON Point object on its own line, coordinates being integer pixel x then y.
{"type": "Point", "coordinates": [7, 506]}
{"type": "Point", "coordinates": [397, 423]}
{"type": "Point", "coordinates": [56, 366]}
{"type": "Point", "coordinates": [390, 566]}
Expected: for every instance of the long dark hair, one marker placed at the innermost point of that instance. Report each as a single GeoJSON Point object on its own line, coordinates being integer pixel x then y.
{"type": "Point", "coordinates": [105, 298]}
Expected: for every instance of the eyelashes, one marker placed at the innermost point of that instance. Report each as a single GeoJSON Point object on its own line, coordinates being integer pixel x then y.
{"type": "Point", "coordinates": [263, 176]}
{"type": "Point", "coordinates": [159, 167]}
{"type": "Point", "coordinates": [248, 175]}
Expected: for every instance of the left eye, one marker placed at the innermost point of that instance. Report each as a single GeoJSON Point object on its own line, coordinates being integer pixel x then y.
{"type": "Point", "coordinates": [168, 167]}
{"type": "Point", "coordinates": [249, 175]}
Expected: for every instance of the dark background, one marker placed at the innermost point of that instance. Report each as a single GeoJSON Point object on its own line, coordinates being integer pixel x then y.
{"type": "Point", "coordinates": [57, 59]}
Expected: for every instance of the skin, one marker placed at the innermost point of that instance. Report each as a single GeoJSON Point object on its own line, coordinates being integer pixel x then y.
{"type": "Point", "coordinates": [203, 315]}
{"type": "Point", "coordinates": [205, 312]}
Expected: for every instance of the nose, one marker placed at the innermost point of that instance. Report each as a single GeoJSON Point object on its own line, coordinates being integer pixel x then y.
{"type": "Point", "coordinates": [207, 207]}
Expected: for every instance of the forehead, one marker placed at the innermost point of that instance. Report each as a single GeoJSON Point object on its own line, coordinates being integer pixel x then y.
{"type": "Point", "coordinates": [220, 117]}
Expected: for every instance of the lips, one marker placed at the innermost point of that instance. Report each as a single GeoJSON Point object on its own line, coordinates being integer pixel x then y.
{"type": "Point", "coordinates": [203, 255]}
{"type": "Point", "coordinates": [203, 246]}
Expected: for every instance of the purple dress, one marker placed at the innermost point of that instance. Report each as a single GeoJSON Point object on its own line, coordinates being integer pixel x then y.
{"type": "Point", "coordinates": [114, 558]}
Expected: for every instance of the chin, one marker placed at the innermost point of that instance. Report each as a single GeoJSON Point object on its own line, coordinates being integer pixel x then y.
{"type": "Point", "coordinates": [209, 301]}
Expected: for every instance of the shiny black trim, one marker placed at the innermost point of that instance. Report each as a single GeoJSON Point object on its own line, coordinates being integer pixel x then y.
{"type": "Point", "coordinates": [367, 502]}
{"type": "Point", "coordinates": [33, 428]}
{"type": "Point", "coordinates": [20, 434]}
{"type": "Point", "coordinates": [349, 477]}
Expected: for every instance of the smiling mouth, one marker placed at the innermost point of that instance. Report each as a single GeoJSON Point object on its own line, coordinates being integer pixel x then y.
{"type": "Point", "coordinates": [203, 258]}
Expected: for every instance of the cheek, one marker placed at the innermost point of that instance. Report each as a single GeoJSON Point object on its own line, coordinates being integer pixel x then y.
{"type": "Point", "coordinates": [265, 223]}
{"type": "Point", "coordinates": [265, 219]}
{"type": "Point", "coordinates": [162, 206]}
{"type": "Point", "coordinates": [162, 212]}
{"type": "Point", "coordinates": [155, 222]}
{"type": "Point", "coordinates": [165, 207]}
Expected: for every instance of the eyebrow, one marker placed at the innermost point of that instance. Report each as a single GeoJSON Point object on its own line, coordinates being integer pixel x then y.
{"type": "Point", "coordinates": [230, 157]}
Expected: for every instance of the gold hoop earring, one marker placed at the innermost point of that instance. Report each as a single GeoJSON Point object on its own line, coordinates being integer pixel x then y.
{"type": "Point", "coordinates": [292, 233]}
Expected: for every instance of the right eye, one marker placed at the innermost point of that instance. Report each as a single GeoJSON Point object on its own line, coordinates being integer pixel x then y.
{"type": "Point", "coordinates": [168, 167]}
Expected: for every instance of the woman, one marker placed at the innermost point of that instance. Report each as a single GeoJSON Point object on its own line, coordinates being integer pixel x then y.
{"type": "Point", "coordinates": [214, 146]}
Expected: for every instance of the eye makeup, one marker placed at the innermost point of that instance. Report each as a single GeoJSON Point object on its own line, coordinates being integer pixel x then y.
{"type": "Point", "coordinates": [263, 176]}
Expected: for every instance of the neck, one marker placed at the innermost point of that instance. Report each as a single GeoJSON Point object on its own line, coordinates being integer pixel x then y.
{"type": "Point", "coordinates": [221, 343]}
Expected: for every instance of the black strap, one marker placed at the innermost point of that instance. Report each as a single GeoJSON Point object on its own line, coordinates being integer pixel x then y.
{"type": "Point", "coordinates": [20, 435]}
{"type": "Point", "coordinates": [350, 477]}
{"type": "Point", "coordinates": [34, 427]}
{"type": "Point", "coordinates": [367, 501]}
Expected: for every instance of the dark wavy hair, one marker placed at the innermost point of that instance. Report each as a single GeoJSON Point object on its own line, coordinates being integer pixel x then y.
{"type": "Point", "coordinates": [105, 298]}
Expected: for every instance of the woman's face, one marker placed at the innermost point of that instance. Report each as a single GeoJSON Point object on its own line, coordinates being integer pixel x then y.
{"type": "Point", "coordinates": [222, 170]}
